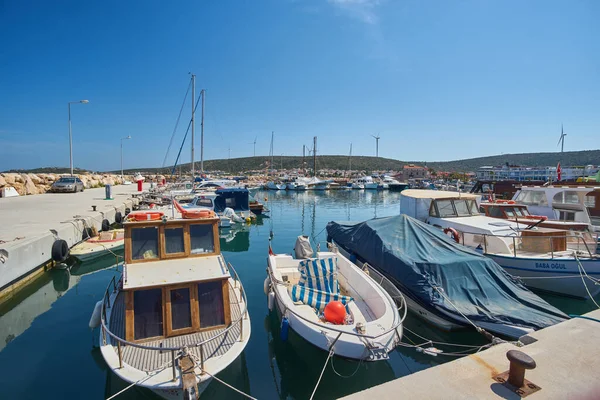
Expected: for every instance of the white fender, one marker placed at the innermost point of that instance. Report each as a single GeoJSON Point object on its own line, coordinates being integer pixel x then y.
{"type": "Point", "coordinates": [271, 300]}
{"type": "Point", "coordinates": [266, 285]}
{"type": "Point", "coordinates": [95, 319]}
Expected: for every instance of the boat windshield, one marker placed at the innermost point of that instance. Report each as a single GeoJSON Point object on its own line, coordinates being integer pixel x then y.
{"type": "Point", "coordinates": [532, 198]}
{"type": "Point", "coordinates": [448, 208]}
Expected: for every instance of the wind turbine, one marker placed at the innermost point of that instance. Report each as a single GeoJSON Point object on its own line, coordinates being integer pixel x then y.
{"type": "Point", "coordinates": [561, 141]}
{"type": "Point", "coordinates": [376, 145]}
{"type": "Point", "coordinates": [254, 143]}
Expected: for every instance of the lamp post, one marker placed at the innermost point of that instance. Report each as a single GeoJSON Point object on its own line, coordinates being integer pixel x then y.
{"type": "Point", "coordinates": [70, 134]}
{"type": "Point", "coordinates": [123, 138]}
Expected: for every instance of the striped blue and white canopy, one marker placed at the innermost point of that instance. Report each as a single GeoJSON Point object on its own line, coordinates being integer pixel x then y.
{"type": "Point", "coordinates": [319, 274]}
{"type": "Point", "coordinates": [316, 298]}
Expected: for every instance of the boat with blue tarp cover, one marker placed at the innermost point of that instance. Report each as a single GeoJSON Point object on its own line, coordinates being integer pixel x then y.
{"type": "Point", "coordinates": [449, 285]}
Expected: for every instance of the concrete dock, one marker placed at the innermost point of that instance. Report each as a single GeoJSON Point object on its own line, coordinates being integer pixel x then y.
{"type": "Point", "coordinates": [567, 358]}
{"type": "Point", "coordinates": [27, 224]}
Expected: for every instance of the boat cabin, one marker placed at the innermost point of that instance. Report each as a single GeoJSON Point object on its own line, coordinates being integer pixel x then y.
{"type": "Point", "coordinates": [175, 280]}
{"type": "Point", "coordinates": [508, 209]}
{"type": "Point", "coordinates": [235, 198]}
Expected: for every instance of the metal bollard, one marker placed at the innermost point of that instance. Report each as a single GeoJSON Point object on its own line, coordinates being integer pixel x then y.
{"type": "Point", "coordinates": [519, 362]}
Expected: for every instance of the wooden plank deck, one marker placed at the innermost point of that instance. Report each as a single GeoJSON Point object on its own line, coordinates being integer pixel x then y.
{"type": "Point", "coordinates": [151, 360]}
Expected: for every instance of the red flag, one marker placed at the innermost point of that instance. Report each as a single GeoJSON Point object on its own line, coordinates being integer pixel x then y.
{"type": "Point", "coordinates": [270, 249]}
{"type": "Point", "coordinates": [558, 171]}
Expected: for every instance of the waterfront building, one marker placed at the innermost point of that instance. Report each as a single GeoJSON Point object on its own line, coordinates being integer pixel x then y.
{"type": "Point", "coordinates": [518, 173]}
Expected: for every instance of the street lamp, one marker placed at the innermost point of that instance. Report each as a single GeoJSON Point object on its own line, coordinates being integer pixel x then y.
{"type": "Point", "coordinates": [124, 138]}
{"type": "Point", "coordinates": [70, 134]}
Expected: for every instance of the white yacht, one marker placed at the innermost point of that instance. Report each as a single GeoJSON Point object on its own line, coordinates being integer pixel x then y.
{"type": "Point", "coordinates": [178, 315]}
{"type": "Point", "coordinates": [559, 261]}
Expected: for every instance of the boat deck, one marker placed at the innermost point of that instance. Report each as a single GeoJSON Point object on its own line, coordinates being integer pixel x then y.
{"type": "Point", "coordinates": [151, 360]}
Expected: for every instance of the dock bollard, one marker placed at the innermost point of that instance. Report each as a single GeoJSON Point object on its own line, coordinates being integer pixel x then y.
{"type": "Point", "coordinates": [93, 208]}
{"type": "Point", "coordinates": [514, 378]}
{"type": "Point", "coordinates": [107, 190]}
{"type": "Point", "coordinates": [519, 362]}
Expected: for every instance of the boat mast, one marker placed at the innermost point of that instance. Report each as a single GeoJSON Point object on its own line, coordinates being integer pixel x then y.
{"type": "Point", "coordinates": [303, 159]}
{"type": "Point", "coordinates": [193, 122]}
{"type": "Point", "coordinates": [350, 161]}
{"type": "Point", "coordinates": [315, 157]}
{"type": "Point", "coordinates": [203, 93]}
{"type": "Point", "coordinates": [272, 164]}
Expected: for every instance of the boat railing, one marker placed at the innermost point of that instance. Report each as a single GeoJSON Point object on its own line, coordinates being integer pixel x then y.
{"type": "Point", "coordinates": [115, 285]}
{"type": "Point", "coordinates": [401, 308]}
{"type": "Point", "coordinates": [584, 243]}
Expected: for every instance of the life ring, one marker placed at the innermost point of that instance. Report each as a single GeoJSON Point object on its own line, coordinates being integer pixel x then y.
{"type": "Point", "coordinates": [454, 233]}
{"type": "Point", "coordinates": [505, 202]}
{"type": "Point", "coordinates": [145, 216]}
{"type": "Point", "coordinates": [193, 214]}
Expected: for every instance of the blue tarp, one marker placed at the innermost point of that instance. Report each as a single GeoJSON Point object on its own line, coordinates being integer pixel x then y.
{"type": "Point", "coordinates": [416, 257]}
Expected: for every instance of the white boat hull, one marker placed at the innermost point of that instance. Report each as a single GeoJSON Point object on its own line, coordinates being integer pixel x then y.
{"type": "Point", "coordinates": [372, 186]}
{"type": "Point", "coordinates": [561, 276]}
{"type": "Point", "coordinates": [317, 333]}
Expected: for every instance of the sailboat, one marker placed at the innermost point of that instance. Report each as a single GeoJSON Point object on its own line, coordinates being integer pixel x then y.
{"type": "Point", "coordinates": [272, 185]}
{"type": "Point", "coordinates": [315, 183]}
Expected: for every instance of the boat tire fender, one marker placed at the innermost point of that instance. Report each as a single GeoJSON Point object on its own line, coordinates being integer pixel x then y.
{"type": "Point", "coordinates": [60, 250]}
{"type": "Point", "coordinates": [87, 234]}
{"type": "Point", "coordinates": [118, 217]}
{"type": "Point", "coordinates": [105, 225]}
{"type": "Point", "coordinates": [127, 211]}
{"type": "Point", "coordinates": [454, 233]}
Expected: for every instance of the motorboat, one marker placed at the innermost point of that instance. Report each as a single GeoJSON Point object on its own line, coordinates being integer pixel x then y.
{"type": "Point", "coordinates": [276, 186]}
{"type": "Point", "coordinates": [178, 314]}
{"type": "Point", "coordinates": [297, 185]}
{"type": "Point", "coordinates": [304, 287]}
{"type": "Point", "coordinates": [554, 260]}
{"type": "Point", "coordinates": [315, 183]}
{"type": "Point", "coordinates": [202, 185]}
{"type": "Point", "coordinates": [362, 182]}
{"type": "Point", "coordinates": [444, 283]}
{"type": "Point", "coordinates": [231, 204]}
{"type": "Point", "coordinates": [398, 186]}
{"type": "Point", "coordinates": [563, 203]}
{"type": "Point", "coordinates": [386, 181]}
{"type": "Point", "coordinates": [105, 242]}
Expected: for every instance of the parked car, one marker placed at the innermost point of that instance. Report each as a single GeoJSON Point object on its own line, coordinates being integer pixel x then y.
{"type": "Point", "coordinates": [67, 184]}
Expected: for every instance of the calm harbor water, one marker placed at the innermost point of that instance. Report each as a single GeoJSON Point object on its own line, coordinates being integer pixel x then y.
{"type": "Point", "coordinates": [47, 350]}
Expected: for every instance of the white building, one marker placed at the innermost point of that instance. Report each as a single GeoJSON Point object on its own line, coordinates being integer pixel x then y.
{"type": "Point", "coordinates": [517, 173]}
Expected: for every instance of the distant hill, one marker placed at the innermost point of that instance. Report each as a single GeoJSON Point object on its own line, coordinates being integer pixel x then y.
{"type": "Point", "coordinates": [364, 163]}
{"type": "Point", "coordinates": [368, 164]}
{"type": "Point", "coordinates": [48, 170]}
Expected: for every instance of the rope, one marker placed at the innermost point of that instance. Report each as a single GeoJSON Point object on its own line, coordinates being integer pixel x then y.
{"type": "Point", "coordinates": [362, 359]}
{"type": "Point", "coordinates": [584, 317]}
{"type": "Point", "coordinates": [198, 364]}
{"type": "Point", "coordinates": [321, 376]}
{"type": "Point", "coordinates": [581, 272]}
{"type": "Point", "coordinates": [163, 367]}
{"type": "Point", "coordinates": [229, 386]}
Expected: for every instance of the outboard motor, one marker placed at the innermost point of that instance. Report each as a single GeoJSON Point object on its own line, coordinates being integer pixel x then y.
{"type": "Point", "coordinates": [303, 249]}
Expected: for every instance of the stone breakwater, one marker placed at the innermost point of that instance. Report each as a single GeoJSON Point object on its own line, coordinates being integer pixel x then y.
{"type": "Point", "coordinates": [28, 184]}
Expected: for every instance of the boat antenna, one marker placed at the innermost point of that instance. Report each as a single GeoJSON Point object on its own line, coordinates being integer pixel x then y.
{"type": "Point", "coordinates": [315, 157]}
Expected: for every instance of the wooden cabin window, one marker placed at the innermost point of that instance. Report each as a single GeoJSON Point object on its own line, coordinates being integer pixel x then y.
{"type": "Point", "coordinates": [174, 242]}
{"type": "Point", "coordinates": [148, 313]}
{"type": "Point", "coordinates": [181, 310]}
{"type": "Point", "coordinates": [202, 239]}
{"type": "Point", "coordinates": [144, 243]}
{"type": "Point", "coordinates": [589, 201]}
{"type": "Point", "coordinates": [495, 212]}
{"type": "Point", "coordinates": [210, 303]}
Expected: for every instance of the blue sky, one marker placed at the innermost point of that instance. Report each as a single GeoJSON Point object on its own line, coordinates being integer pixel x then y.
{"type": "Point", "coordinates": [438, 80]}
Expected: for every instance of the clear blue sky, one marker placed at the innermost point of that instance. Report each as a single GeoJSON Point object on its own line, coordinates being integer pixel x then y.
{"type": "Point", "coordinates": [438, 80]}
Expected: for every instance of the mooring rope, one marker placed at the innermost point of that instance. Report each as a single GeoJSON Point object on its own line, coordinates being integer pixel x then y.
{"type": "Point", "coordinates": [198, 364]}
{"type": "Point", "coordinates": [321, 376]}
{"type": "Point", "coordinates": [581, 272]}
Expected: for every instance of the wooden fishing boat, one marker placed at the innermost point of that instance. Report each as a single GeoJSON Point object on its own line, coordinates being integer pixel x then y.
{"type": "Point", "coordinates": [100, 245]}
{"type": "Point", "coordinates": [178, 315]}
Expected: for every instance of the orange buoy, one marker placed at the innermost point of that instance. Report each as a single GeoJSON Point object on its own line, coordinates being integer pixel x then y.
{"type": "Point", "coordinates": [145, 216]}
{"type": "Point", "coordinates": [335, 312]}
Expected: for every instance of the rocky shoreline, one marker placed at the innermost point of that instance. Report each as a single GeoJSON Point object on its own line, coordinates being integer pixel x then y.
{"type": "Point", "coordinates": [30, 184]}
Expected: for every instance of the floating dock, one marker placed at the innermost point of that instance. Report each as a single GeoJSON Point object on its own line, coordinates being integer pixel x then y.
{"type": "Point", "coordinates": [567, 364]}
{"type": "Point", "coordinates": [30, 225]}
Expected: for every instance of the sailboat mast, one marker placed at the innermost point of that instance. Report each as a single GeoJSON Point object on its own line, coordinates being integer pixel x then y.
{"type": "Point", "coordinates": [350, 161]}
{"type": "Point", "coordinates": [193, 121]}
{"type": "Point", "coordinates": [272, 149]}
{"type": "Point", "coordinates": [303, 159]}
{"type": "Point", "coordinates": [203, 92]}
{"type": "Point", "coordinates": [315, 157]}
